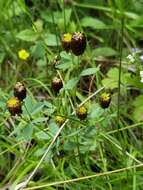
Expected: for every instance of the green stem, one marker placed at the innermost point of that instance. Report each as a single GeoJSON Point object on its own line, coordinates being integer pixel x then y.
{"type": "Point", "coordinates": [56, 32]}
{"type": "Point", "coordinates": [120, 70]}
{"type": "Point", "coordinates": [78, 150]}
{"type": "Point", "coordinates": [64, 16]}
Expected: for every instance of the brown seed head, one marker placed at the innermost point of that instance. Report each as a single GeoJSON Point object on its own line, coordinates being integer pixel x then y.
{"type": "Point", "coordinates": [78, 43]}
{"type": "Point", "coordinates": [20, 91]}
{"type": "Point", "coordinates": [57, 84]}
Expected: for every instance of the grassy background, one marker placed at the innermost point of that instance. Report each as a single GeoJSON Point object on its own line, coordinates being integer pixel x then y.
{"type": "Point", "coordinates": [105, 151]}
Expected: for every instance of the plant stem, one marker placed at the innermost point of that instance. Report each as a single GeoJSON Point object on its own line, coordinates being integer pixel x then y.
{"type": "Point", "coordinates": [120, 69]}
{"type": "Point", "coordinates": [64, 16]}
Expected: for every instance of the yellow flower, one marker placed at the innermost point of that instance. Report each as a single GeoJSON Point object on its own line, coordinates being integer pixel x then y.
{"type": "Point", "coordinates": [81, 112]}
{"type": "Point", "coordinates": [14, 106]}
{"type": "Point", "coordinates": [105, 100]}
{"type": "Point", "coordinates": [23, 54]}
{"type": "Point", "coordinates": [59, 119]}
{"type": "Point", "coordinates": [67, 37]}
{"type": "Point", "coordinates": [66, 41]}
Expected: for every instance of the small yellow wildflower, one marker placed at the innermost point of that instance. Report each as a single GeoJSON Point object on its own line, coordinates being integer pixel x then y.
{"type": "Point", "coordinates": [23, 54]}
{"type": "Point", "coordinates": [81, 112]}
{"type": "Point", "coordinates": [59, 119]}
{"type": "Point", "coordinates": [66, 41]}
{"type": "Point", "coordinates": [106, 96]}
{"type": "Point", "coordinates": [105, 100]}
{"type": "Point", "coordinates": [67, 37]}
{"type": "Point", "coordinates": [14, 106]}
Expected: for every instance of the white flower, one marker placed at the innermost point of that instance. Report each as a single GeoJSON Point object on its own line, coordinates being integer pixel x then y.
{"type": "Point", "coordinates": [141, 80]}
{"type": "Point", "coordinates": [131, 58]}
{"type": "Point", "coordinates": [141, 74]}
{"type": "Point", "coordinates": [141, 58]}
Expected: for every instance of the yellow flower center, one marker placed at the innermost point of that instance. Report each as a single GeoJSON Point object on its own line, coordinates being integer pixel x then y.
{"type": "Point", "coordinates": [23, 54]}
{"type": "Point", "coordinates": [12, 102]}
{"type": "Point", "coordinates": [67, 37]}
{"type": "Point", "coordinates": [105, 96]}
{"type": "Point", "coordinates": [82, 110]}
{"type": "Point", "coordinates": [59, 119]}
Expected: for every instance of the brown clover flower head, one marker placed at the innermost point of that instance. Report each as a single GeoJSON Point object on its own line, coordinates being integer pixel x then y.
{"type": "Point", "coordinates": [20, 91]}
{"type": "Point", "coordinates": [14, 106]}
{"type": "Point", "coordinates": [78, 43]}
{"type": "Point", "coordinates": [57, 84]}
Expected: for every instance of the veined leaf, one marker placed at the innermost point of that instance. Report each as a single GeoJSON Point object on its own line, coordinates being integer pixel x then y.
{"type": "Point", "coordinates": [93, 23]}
{"type": "Point", "coordinates": [89, 71]}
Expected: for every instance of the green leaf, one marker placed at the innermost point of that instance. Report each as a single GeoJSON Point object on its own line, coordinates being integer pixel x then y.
{"type": "Point", "coordinates": [89, 71]}
{"type": "Point", "coordinates": [53, 128]}
{"type": "Point", "coordinates": [93, 23]}
{"type": "Point", "coordinates": [27, 35]}
{"type": "Point", "coordinates": [67, 15]}
{"type": "Point", "coordinates": [39, 120]}
{"type": "Point", "coordinates": [51, 40]}
{"type": "Point", "coordinates": [69, 145]}
{"type": "Point", "coordinates": [42, 135]}
{"type": "Point", "coordinates": [104, 51]}
{"type": "Point", "coordinates": [27, 132]}
{"type": "Point", "coordinates": [37, 108]}
{"type": "Point", "coordinates": [138, 108]}
{"type": "Point", "coordinates": [2, 56]}
{"type": "Point", "coordinates": [71, 83]}
{"type": "Point", "coordinates": [67, 61]}
{"type": "Point", "coordinates": [111, 81]}
{"type": "Point", "coordinates": [38, 50]}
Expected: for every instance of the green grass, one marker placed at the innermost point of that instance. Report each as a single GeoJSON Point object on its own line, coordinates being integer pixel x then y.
{"type": "Point", "coordinates": [103, 151]}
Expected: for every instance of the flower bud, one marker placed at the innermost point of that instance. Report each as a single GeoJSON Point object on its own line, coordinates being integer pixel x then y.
{"type": "Point", "coordinates": [78, 43]}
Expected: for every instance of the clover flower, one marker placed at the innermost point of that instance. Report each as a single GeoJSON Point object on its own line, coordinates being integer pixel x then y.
{"type": "Point", "coordinates": [20, 91]}
{"type": "Point", "coordinates": [56, 84]}
{"type": "Point", "coordinates": [131, 58]}
{"type": "Point", "coordinates": [105, 99]}
{"type": "Point", "coordinates": [81, 112]}
{"type": "Point", "coordinates": [66, 41]}
{"type": "Point", "coordinates": [59, 119]}
{"type": "Point", "coordinates": [14, 106]}
{"type": "Point", "coordinates": [78, 43]}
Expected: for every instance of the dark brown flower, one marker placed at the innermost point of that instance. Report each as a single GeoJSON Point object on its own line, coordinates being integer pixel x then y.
{"type": "Point", "coordinates": [20, 91]}
{"type": "Point", "coordinates": [78, 43]}
{"type": "Point", "coordinates": [57, 84]}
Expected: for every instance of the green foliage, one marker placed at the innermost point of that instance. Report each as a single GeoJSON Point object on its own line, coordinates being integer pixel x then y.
{"type": "Point", "coordinates": [102, 151]}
